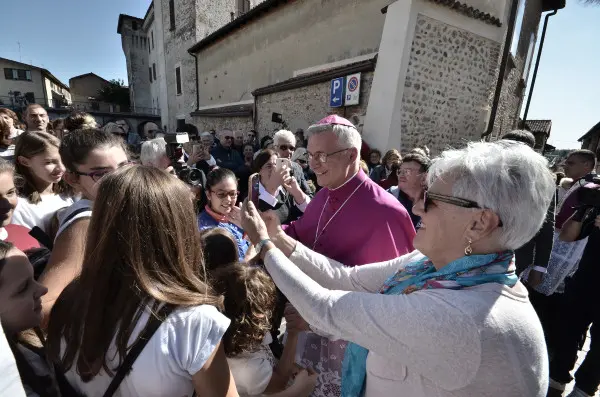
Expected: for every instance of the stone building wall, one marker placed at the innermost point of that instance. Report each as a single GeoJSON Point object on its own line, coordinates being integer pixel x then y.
{"type": "Point", "coordinates": [514, 88]}
{"type": "Point", "coordinates": [194, 20]}
{"type": "Point", "coordinates": [135, 46]}
{"type": "Point", "coordinates": [304, 106]}
{"type": "Point", "coordinates": [449, 81]}
{"type": "Point", "coordinates": [220, 123]}
{"type": "Point", "coordinates": [294, 36]}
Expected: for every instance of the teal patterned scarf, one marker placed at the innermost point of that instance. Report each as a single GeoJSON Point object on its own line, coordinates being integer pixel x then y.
{"type": "Point", "coordinates": [467, 271]}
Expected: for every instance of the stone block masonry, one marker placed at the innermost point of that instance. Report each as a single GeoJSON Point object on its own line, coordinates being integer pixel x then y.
{"type": "Point", "coordinates": [219, 123]}
{"type": "Point", "coordinates": [449, 81]}
{"type": "Point", "coordinates": [304, 106]}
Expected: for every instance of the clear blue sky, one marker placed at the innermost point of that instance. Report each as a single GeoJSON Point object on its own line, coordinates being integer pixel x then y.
{"type": "Point", "coordinates": [68, 37]}
{"type": "Point", "coordinates": [73, 37]}
{"type": "Point", "coordinates": [568, 81]}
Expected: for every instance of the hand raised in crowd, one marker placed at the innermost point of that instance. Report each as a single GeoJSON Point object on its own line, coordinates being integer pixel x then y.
{"type": "Point", "coordinates": [272, 222]}
{"type": "Point", "coordinates": [597, 221]}
{"type": "Point", "coordinates": [252, 223]}
{"type": "Point", "coordinates": [235, 216]}
{"type": "Point", "coordinates": [291, 185]}
{"type": "Point", "coordinates": [194, 158]}
{"type": "Point", "coordinates": [205, 153]}
{"type": "Point", "coordinates": [294, 321]}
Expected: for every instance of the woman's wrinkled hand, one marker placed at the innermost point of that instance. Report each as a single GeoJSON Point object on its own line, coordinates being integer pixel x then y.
{"type": "Point", "coordinates": [252, 223]}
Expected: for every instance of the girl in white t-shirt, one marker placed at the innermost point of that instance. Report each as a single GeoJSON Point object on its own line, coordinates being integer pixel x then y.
{"type": "Point", "coordinates": [143, 251]}
{"type": "Point", "coordinates": [88, 155]}
{"type": "Point", "coordinates": [250, 297]}
{"type": "Point", "coordinates": [43, 193]}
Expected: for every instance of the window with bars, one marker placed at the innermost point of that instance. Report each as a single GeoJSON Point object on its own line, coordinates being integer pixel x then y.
{"type": "Point", "coordinates": [152, 38]}
{"type": "Point", "coordinates": [178, 79]}
{"type": "Point", "coordinates": [17, 74]}
{"type": "Point", "coordinates": [154, 71]}
{"type": "Point", "coordinates": [150, 73]}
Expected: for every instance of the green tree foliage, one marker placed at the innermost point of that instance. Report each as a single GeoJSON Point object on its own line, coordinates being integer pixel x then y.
{"type": "Point", "coordinates": [115, 92]}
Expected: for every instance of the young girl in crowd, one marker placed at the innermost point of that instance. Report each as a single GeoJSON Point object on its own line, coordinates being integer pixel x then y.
{"type": "Point", "coordinates": [250, 298]}
{"type": "Point", "coordinates": [143, 253]}
{"type": "Point", "coordinates": [222, 192]}
{"type": "Point", "coordinates": [15, 234]}
{"type": "Point", "coordinates": [13, 122]}
{"type": "Point", "coordinates": [21, 310]}
{"type": "Point", "coordinates": [220, 248]}
{"type": "Point", "coordinates": [7, 148]}
{"type": "Point", "coordinates": [42, 194]}
{"type": "Point", "coordinates": [88, 155]}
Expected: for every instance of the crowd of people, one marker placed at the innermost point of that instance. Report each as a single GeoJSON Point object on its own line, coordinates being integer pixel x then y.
{"type": "Point", "coordinates": [352, 274]}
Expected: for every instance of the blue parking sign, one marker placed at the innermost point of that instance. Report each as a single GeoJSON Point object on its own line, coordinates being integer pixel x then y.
{"type": "Point", "coordinates": [336, 98]}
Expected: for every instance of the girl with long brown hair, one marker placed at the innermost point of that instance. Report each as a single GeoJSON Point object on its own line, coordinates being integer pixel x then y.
{"type": "Point", "coordinates": [43, 193]}
{"type": "Point", "coordinates": [88, 155]}
{"type": "Point", "coordinates": [143, 251]}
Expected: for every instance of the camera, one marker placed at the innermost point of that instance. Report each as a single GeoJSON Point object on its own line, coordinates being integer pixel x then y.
{"type": "Point", "coordinates": [191, 176]}
{"type": "Point", "coordinates": [589, 195]}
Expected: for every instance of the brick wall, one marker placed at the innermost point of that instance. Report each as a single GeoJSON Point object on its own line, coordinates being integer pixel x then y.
{"type": "Point", "coordinates": [449, 81]}
{"type": "Point", "coordinates": [304, 106]}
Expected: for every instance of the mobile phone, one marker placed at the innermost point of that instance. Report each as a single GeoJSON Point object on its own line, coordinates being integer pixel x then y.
{"type": "Point", "coordinates": [253, 191]}
{"type": "Point", "coordinates": [281, 164]}
{"type": "Point", "coordinates": [197, 148]}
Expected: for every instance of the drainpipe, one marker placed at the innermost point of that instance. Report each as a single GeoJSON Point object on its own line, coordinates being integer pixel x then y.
{"type": "Point", "coordinates": [537, 64]}
{"type": "Point", "coordinates": [507, 43]}
{"type": "Point", "coordinates": [197, 90]}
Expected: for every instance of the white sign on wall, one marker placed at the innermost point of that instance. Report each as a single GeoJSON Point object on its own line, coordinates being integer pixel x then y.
{"type": "Point", "coordinates": [352, 90]}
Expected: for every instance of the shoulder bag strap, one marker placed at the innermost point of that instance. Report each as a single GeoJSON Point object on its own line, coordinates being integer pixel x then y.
{"type": "Point", "coordinates": [136, 349]}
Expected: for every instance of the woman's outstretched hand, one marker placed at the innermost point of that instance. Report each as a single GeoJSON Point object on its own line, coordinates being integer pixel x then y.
{"type": "Point", "coordinates": [252, 223]}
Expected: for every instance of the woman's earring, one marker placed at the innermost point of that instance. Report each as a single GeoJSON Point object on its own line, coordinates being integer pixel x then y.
{"type": "Point", "coordinates": [469, 249]}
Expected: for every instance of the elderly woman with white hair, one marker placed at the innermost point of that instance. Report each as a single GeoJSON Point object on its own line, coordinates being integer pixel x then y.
{"type": "Point", "coordinates": [451, 318]}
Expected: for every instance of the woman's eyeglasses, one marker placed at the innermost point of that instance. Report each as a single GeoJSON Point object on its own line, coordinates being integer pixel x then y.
{"type": "Point", "coordinates": [224, 195]}
{"type": "Point", "coordinates": [302, 161]}
{"type": "Point", "coordinates": [97, 175]}
{"type": "Point", "coordinates": [428, 199]}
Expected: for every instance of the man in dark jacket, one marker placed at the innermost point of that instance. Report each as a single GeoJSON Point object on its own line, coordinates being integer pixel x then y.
{"type": "Point", "coordinates": [225, 155]}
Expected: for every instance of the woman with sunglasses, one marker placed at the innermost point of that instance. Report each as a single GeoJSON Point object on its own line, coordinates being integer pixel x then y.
{"type": "Point", "coordinates": [451, 318]}
{"type": "Point", "coordinates": [87, 155]}
{"type": "Point", "coordinates": [221, 211]}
